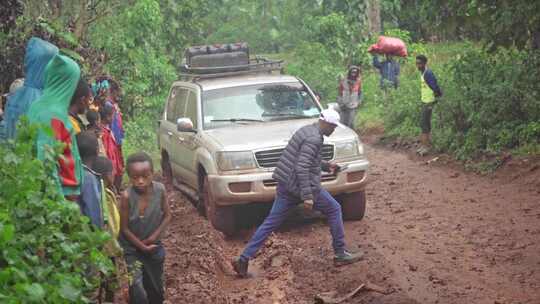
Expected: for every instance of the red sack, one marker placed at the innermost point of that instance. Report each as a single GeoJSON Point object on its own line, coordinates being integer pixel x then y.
{"type": "Point", "coordinates": [389, 46]}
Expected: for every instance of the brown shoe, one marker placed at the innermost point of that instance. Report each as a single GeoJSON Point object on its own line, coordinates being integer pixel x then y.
{"type": "Point", "coordinates": [240, 266]}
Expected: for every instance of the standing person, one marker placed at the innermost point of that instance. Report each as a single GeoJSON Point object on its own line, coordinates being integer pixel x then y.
{"type": "Point", "coordinates": [94, 125]}
{"type": "Point", "coordinates": [103, 166]}
{"type": "Point", "coordinates": [15, 85]}
{"type": "Point", "coordinates": [117, 127]}
{"type": "Point", "coordinates": [99, 90]}
{"type": "Point", "coordinates": [430, 94]}
{"type": "Point", "coordinates": [51, 110]}
{"type": "Point", "coordinates": [79, 105]}
{"type": "Point", "coordinates": [144, 216]}
{"type": "Point", "coordinates": [389, 70]}
{"type": "Point", "coordinates": [298, 174]}
{"type": "Point", "coordinates": [350, 96]}
{"type": "Point", "coordinates": [38, 54]}
{"type": "Point", "coordinates": [91, 191]}
{"type": "Point", "coordinates": [109, 142]}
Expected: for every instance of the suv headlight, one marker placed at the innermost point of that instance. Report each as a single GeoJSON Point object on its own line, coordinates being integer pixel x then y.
{"type": "Point", "coordinates": [240, 160]}
{"type": "Point", "coordinates": [349, 149]}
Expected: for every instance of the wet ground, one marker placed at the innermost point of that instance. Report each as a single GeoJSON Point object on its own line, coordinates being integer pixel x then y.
{"type": "Point", "coordinates": [432, 234]}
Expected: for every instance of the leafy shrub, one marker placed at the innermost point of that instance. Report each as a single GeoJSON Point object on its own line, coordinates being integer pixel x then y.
{"type": "Point", "coordinates": [315, 65]}
{"type": "Point", "coordinates": [48, 251]}
{"type": "Point", "coordinates": [493, 103]}
{"type": "Point", "coordinates": [141, 135]}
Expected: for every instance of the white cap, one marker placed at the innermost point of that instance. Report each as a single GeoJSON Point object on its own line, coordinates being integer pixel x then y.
{"type": "Point", "coordinates": [330, 116]}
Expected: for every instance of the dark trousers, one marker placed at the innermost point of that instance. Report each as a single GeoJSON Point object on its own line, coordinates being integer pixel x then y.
{"type": "Point", "coordinates": [146, 274]}
{"type": "Point", "coordinates": [425, 119]}
{"type": "Point", "coordinates": [348, 116]}
{"type": "Point", "coordinates": [284, 201]}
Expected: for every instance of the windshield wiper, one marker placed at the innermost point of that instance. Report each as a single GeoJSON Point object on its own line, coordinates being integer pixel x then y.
{"type": "Point", "coordinates": [289, 115]}
{"type": "Point", "coordinates": [236, 120]}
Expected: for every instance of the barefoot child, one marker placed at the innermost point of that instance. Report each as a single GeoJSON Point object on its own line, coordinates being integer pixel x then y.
{"type": "Point", "coordinates": [144, 215]}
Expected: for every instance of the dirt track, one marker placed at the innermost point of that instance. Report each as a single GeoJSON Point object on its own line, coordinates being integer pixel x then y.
{"type": "Point", "coordinates": [432, 234]}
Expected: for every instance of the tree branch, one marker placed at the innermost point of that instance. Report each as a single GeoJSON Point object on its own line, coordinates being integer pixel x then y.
{"type": "Point", "coordinates": [101, 15]}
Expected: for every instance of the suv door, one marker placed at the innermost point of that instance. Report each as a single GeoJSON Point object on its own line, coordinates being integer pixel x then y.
{"type": "Point", "coordinates": [164, 134]}
{"type": "Point", "coordinates": [187, 144]}
{"type": "Point", "coordinates": [176, 107]}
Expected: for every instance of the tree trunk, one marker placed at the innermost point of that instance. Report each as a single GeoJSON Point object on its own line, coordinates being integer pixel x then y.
{"type": "Point", "coordinates": [56, 8]}
{"type": "Point", "coordinates": [535, 39]}
{"type": "Point", "coordinates": [374, 17]}
{"type": "Point", "coordinates": [82, 19]}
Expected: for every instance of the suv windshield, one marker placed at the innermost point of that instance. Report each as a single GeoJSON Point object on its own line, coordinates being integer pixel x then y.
{"type": "Point", "coordinates": [257, 103]}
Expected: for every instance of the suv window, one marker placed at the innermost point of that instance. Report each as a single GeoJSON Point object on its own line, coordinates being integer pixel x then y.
{"type": "Point", "coordinates": [258, 103]}
{"type": "Point", "coordinates": [177, 104]}
{"type": "Point", "coordinates": [191, 110]}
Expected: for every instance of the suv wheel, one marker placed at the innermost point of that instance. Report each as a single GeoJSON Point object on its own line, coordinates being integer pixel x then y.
{"type": "Point", "coordinates": [353, 205]}
{"type": "Point", "coordinates": [166, 168]}
{"type": "Point", "coordinates": [221, 217]}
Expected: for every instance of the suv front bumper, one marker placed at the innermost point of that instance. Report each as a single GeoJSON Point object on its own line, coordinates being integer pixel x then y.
{"type": "Point", "coordinates": [260, 187]}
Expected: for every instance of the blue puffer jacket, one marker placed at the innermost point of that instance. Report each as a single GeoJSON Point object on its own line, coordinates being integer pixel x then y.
{"type": "Point", "coordinates": [299, 167]}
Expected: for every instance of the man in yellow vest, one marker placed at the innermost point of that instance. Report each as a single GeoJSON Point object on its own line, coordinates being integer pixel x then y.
{"type": "Point", "coordinates": [430, 94]}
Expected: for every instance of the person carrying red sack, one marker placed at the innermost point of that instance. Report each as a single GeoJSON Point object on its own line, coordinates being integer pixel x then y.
{"type": "Point", "coordinates": [389, 68]}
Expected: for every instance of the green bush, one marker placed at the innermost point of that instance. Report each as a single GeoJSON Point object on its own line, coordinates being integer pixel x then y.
{"type": "Point", "coordinates": [315, 65]}
{"type": "Point", "coordinates": [48, 251]}
{"type": "Point", "coordinates": [491, 101]}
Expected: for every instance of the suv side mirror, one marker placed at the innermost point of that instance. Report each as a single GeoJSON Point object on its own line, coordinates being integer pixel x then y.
{"type": "Point", "coordinates": [185, 124]}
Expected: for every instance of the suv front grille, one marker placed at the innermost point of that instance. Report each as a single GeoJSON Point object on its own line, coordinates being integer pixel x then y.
{"type": "Point", "coordinates": [269, 158]}
{"type": "Point", "coordinates": [324, 178]}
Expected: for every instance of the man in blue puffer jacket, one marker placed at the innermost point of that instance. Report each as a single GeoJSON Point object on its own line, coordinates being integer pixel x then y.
{"type": "Point", "coordinates": [298, 174]}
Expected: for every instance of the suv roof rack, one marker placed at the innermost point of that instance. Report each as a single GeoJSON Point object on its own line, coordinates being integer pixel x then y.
{"type": "Point", "coordinates": [256, 65]}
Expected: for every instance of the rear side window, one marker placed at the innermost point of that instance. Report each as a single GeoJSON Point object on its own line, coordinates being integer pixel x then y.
{"type": "Point", "coordinates": [177, 104]}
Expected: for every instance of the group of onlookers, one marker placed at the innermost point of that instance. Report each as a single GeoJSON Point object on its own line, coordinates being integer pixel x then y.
{"type": "Point", "coordinates": [80, 131]}
{"type": "Point", "coordinates": [350, 93]}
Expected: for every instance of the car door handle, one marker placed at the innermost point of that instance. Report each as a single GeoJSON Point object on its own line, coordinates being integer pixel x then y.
{"type": "Point", "coordinates": [181, 138]}
{"type": "Point", "coordinates": [169, 133]}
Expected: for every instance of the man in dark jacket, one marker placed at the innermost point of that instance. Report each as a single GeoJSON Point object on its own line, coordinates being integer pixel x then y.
{"type": "Point", "coordinates": [298, 174]}
{"type": "Point", "coordinates": [430, 94]}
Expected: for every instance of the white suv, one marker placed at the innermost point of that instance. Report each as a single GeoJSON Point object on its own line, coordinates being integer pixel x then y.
{"type": "Point", "coordinates": [221, 136]}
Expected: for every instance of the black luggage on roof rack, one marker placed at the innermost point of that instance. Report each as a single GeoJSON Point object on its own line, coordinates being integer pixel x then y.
{"type": "Point", "coordinates": [217, 55]}
{"type": "Point", "coordinates": [218, 60]}
{"type": "Point", "coordinates": [256, 65]}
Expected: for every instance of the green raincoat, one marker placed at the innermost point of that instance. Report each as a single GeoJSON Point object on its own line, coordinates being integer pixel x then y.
{"type": "Point", "coordinates": [51, 110]}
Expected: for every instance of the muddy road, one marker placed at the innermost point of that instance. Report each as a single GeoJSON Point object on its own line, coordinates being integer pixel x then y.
{"type": "Point", "coordinates": [432, 234]}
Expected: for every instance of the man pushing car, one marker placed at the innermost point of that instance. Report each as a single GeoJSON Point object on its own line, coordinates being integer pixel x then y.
{"type": "Point", "coordinates": [298, 174]}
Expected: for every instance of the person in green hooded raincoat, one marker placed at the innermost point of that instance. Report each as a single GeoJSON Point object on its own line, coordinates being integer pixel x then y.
{"type": "Point", "coordinates": [62, 75]}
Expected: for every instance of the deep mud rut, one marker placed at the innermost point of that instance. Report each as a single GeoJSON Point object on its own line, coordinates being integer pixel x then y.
{"type": "Point", "coordinates": [432, 234]}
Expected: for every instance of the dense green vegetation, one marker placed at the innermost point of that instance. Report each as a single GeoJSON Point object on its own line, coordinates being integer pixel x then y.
{"type": "Point", "coordinates": [48, 252]}
{"type": "Point", "coordinates": [484, 53]}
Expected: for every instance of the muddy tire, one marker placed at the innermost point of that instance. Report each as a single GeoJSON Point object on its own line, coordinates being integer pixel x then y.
{"type": "Point", "coordinates": [221, 217]}
{"type": "Point", "coordinates": [353, 205]}
{"type": "Point", "coordinates": [166, 169]}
